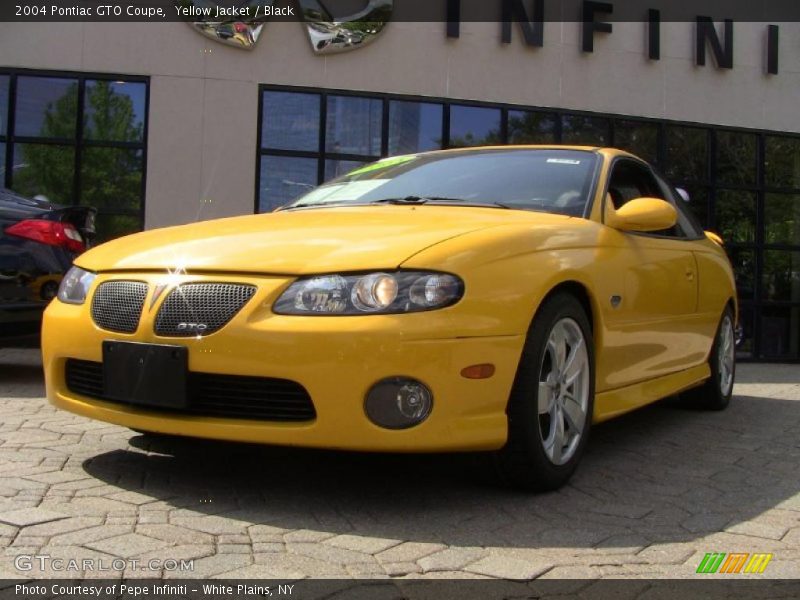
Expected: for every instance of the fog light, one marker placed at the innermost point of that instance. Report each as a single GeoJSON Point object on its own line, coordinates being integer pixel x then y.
{"type": "Point", "coordinates": [398, 403]}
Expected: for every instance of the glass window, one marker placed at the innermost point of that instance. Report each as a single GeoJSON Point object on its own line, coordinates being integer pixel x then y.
{"type": "Point", "coordinates": [780, 332]}
{"type": "Point", "coordinates": [414, 127]}
{"type": "Point", "coordinates": [782, 162]}
{"type": "Point", "coordinates": [4, 79]}
{"type": "Point", "coordinates": [474, 126]}
{"type": "Point", "coordinates": [283, 179]}
{"type": "Point", "coordinates": [687, 154]}
{"type": "Point", "coordinates": [528, 127]}
{"type": "Point", "coordinates": [114, 111]}
{"type": "Point", "coordinates": [743, 261]}
{"type": "Point", "coordinates": [698, 202]}
{"type": "Point", "coordinates": [638, 138]}
{"type": "Point", "coordinates": [583, 130]}
{"type": "Point", "coordinates": [736, 158]}
{"type": "Point", "coordinates": [745, 348]}
{"type": "Point", "coordinates": [337, 168]}
{"type": "Point", "coordinates": [781, 278]}
{"type": "Point", "coordinates": [290, 121]}
{"type": "Point", "coordinates": [736, 216]}
{"type": "Point", "coordinates": [354, 125]}
{"type": "Point", "coordinates": [44, 170]}
{"type": "Point", "coordinates": [46, 107]}
{"type": "Point", "coordinates": [2, 165]}
{"type": "Point", "coordinates": [782, 219]}
{"type": "Point", "coordinates": [111, 226]}
{"type": "Point", "coordinates": [111, 178]}
{"type": "Point", "coordinates": [556, 181]}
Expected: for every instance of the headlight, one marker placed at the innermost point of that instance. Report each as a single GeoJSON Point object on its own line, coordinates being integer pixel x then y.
{"type": "Point", "coordinates": [75, 286]}
{"type": "Point", "coordinates": [370, 293]}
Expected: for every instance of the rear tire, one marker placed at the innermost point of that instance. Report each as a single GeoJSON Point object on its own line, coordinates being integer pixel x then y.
{"type": "Point", "coordinates": [716, 392]}
{"type": "Point", "coordinates": [551, 403]}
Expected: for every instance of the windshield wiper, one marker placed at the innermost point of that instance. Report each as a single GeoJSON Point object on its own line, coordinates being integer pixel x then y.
{"type": "Point", "coordinates": [436, 200]}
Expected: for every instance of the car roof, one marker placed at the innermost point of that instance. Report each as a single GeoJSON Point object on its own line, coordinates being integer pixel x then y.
{"type": "Point", "coordinates": [606, 151]}
{"type": "Point", "coordinates": [16, 205]}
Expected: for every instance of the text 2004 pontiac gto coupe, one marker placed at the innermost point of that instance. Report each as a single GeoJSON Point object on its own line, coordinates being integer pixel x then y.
{"type": "Point", "coordinates": [499, 299]}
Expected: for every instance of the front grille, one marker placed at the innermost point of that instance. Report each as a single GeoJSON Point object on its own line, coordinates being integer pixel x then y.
{"type": "Point", "coordinates": [229, 396]}
{"type": "Point", "coordinates": [117, 305]}
{"type": "Point", "coordinates": [195, 309]}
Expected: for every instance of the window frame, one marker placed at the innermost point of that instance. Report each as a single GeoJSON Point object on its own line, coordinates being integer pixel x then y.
{"type": "Point", "coordinates": [78, 143]}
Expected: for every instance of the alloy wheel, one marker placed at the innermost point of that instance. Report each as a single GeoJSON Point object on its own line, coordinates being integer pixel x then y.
{"type": "Point", "coordinates": [563, 393]}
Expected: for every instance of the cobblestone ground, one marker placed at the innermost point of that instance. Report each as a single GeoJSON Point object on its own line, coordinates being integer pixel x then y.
{"type": "Point", "coordinates": [657, 490]}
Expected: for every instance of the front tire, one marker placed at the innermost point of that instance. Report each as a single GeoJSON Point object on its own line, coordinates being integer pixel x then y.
{"type": "Point", "coordinates": [551, 403]}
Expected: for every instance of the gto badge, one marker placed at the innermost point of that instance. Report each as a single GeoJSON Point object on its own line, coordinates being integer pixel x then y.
{"type": "Point", "coordinates": [241, 27]}
{"type": "Point", "coordinates": [197, 327]}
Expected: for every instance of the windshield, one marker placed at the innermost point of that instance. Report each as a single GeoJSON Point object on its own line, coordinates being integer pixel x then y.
{"type": "Point", "coordinates": [546, 180]}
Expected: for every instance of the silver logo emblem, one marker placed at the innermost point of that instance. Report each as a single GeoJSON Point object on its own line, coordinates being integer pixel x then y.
{"type": "Point", "coordinates": [326, 34]}
{"type": "Point", "coordinates": [197, 327]}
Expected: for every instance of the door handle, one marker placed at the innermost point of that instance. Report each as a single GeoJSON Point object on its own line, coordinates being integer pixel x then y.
{"type": "Point", "coordinates": [690, 274]}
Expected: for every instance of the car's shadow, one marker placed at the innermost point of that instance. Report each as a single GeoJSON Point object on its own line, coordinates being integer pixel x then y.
{"type": "Point", "coordinates": [662, 474]}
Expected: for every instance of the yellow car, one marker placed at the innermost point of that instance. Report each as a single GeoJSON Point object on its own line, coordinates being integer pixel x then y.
{"type": "Point", "coordinates": [487, 299]}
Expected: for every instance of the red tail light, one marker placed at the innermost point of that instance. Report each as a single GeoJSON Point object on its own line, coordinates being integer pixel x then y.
{"type": "Point", "coordinates": [51, 233]}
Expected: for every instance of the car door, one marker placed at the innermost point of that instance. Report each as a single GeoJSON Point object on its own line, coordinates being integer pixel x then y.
{"type": "Point", "coordinates": [652, 328]}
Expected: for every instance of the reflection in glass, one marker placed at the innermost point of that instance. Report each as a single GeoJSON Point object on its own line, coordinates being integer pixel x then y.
{"type": "Point", "coordinates": [736, 216]}
{"type": "Point", "coordinates": [283, 179]}
{"type": "Point", "coordinates": [474, 126]}
{"type": "Point", "coordinates": [111, 178]}
{"type": "Point", "coordinates": [114, 111]}
{"type": "Point", "coordinates": [782, 162]}
{"type": "Point", "coordinates": [584, 131]}
{"type": "Point", "coordinates": [698, 202]}
{"type": "Point", "coordinates": [414, 127]}
{"type": "Point", "coordinates": [745, 347]}
{"type": "Point", "coordinates": [46, 107]}
{"type": "Point", "coordinates": [354, 125]}
{"type": "Point", "coordinates": [2, 165]}
{"type": "Point", "coordinates": [44, 170]}
{"type": "Point", "coordinates": [736, 158]}
{"type": "Point", "coordinates": [687, 154]}
{"type": "Point", "coordinates": [528, 127]}
{"type": "Point", "coordinates": [638, 138]}
{"type": "Point", "coordinates": [781, 278]}
{"type": "Point", "coordinates": [780, 332]}
{"type": "Point", "coordinates": [782, 219]}
{"type": "Point", "coordinates": [743, 261]}
{"type": "Point", "coordinates": [110, 227]}
{"type": "Point", "coordinates": [4, 82]}
{"type": "Point", "coordinates": [337, 168]}
{"type": "Point", "coordinates": [290, 121]}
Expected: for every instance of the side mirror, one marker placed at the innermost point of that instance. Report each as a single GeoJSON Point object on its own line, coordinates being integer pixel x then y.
{"type": "Point", "coordinates": [641, 214]}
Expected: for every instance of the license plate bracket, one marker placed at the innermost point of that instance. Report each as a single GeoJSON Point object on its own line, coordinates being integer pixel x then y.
{"type": "Point", "coordinates": [145, 374]}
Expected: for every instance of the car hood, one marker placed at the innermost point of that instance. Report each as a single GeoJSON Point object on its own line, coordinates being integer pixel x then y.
{"type": "Point", "coordinates": [302, 241]}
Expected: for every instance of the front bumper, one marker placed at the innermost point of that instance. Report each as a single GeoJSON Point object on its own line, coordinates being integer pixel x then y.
{"type": "Point", "coordinates": [336, 359]}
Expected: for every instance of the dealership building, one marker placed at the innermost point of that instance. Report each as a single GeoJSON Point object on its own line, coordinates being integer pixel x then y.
{"type": "Point", "coordinates": [156, 124]}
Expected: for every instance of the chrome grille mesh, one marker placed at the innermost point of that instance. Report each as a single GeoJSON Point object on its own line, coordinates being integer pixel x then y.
{"type": "Point", "coordinates": [117, 305]}
{"type": "Point", "coordinates": [195, 309]}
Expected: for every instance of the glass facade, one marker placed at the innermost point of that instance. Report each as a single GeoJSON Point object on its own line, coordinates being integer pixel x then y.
{"type": "Point", "coordinates": [744, 185]}
{"type": "Point", "coordinates": [77, 139]}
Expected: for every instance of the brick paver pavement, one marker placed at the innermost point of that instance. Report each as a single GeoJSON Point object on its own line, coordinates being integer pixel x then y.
{"type": "Point", "coordinates": [657, 490]}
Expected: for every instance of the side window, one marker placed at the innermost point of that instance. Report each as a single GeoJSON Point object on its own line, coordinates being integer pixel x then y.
{"type": "Point", "coordinates": [630, 180]}
{"type": "Point", "coordinates": [686, 220]}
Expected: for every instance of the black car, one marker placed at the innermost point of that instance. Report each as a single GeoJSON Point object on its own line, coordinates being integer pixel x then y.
{"type": "Point", "coordinates": [38, 242]}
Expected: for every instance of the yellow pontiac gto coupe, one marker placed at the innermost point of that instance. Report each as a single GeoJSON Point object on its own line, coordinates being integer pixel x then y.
{"type": "Point", "coordinates": [499, 299]}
